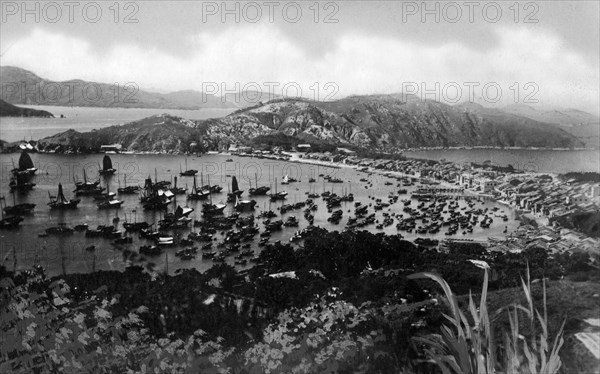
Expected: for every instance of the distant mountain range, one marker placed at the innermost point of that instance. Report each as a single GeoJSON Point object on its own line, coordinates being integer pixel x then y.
{"type": "Point", "coordinates": [20, 86]}
{"type": "Point", "coordinates": [565, 117]}
{"type": "Point", "coordinates": [9, 110]}
{"type": "Point", "coordinates": [585, 126]}
{"type": "Point", "coordinates": [380, 121]}
{"type": "Point", "coordinates": [376, 122]}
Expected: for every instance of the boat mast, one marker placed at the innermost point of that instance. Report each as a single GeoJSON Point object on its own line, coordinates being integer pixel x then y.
{"type": "Point", "coordinates": [209, 191]}
{"type": "Point", "coordinates": [61, 197]}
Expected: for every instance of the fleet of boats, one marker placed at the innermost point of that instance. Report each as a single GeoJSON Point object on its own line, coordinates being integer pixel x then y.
{"type": "Point", "coordinates": [218, 236]}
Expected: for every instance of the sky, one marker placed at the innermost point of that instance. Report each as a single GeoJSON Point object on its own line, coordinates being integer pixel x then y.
{"type": "Point", "coordinates": [543, 54]}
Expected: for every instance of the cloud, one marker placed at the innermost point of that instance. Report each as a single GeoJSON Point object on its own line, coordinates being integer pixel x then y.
{"type": "Point", "coordinates": [358, 64]}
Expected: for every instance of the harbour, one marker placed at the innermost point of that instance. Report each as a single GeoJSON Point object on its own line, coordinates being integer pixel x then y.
{"type": "Point", "coordinates": [299, 187]}
{"type": "Point", "coordinates": [313, 197]}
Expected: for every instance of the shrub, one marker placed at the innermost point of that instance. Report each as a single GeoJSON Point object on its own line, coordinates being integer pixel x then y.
{"type": "Point", "coordinates": [468, 346]}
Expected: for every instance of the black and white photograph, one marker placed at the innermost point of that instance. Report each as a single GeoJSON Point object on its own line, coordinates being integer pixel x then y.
{"type": "Point", "coordinates": [310, 186]}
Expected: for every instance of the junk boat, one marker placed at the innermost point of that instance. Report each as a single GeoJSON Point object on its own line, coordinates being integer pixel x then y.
{"type": "Point", "coordinates": [61, 229]}
{"type": "Point", "coordinates": [244, 205]}
{"type": "Point", "coordinates": [107, 166]}
{"type": "Point", "coordinates": [10, 222]}
{"type": "Point", "coordinates": [26, 167]}
{"type": "Point", "coordinates": [86, 188]}
{"type": "Point", "coordinates": [60, 202]}
{"type": "Point", "coordinates": [187, 172]}
{"type": "Point", "coordinates": [210, 209]}
{"type": "Point", "coordinates": [128, 190]}
{"type": "Point", "coordinates": [109, 203]}
{"type": "Point", "coordinates": [18, 209]}
{"type": "Point", "coordinates": [153, 197]}
{"type": "Point", "coordinates": [235, 191]}
{"type": "Point", "coordinates": [278, 195]}
{"type": "Point", "coordinates": [198, 194]}
{"type": "Point", "coordinates": [258, 191]}
{"type": "Point", "coordinates": [177, 190]}
{"type": "Point", "coordinates": [20, 183]}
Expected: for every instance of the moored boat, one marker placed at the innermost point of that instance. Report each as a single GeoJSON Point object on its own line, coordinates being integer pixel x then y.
{"type": "Point", "coordinates": [244, 205]}
{"type": "Point", "coordinates": [10, 222]}
{"type": "Point", "coordinates": [277, 195]}
{"type": "Point", "coordinates": [128, 190]}
{"type": "Point", "coordinates": [86, 188]}
{"type": "Point", "coordinates": [107, 167]}
{"type": "Point", "coordinates": [187, 172]}
{"type": "Point", "coordinates": [198, 193]}
{"type": "Point", "coordinates": [18, 209]}
{"type": "Point", "coordinates": [110, 202]}
{"type": "Point", "coordinates": [26, 167]}
{"type": "Point", "coordinates": [61, 229]}
{"type": "Point", "coordinates": [213, 209]}
{"type": "Point", "coordinates": [235, 190]}
{"type": "Point", "coordinates": [258, 191]}
{"type": "Point", "coordinates": [153, 197]}
{"type": "Point", "coordinates": [177, 190]}
{"type": "Point", "coordinates": [60, 202]}
{"type": "Point", "coordinates": [20, 183]}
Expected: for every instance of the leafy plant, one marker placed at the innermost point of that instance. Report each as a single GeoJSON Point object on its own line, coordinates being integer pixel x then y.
{"type": "Point", "coordinates": [467, 346]}
{"type": "Point", "coordinates": [325, 336]}
{"type": "Point", "coordinates": [42, 330]}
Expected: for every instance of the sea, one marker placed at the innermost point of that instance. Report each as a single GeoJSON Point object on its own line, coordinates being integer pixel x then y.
{"type": "Point", "coordinates": [86, 119]}
{"type": "Point", "coordinates": [23, 247]}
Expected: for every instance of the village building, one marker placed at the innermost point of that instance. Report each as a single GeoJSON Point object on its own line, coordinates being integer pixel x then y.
{"type": "Point", "coordinates": [303, 148]}
{"type": "Point", "coordinates": [578, 199]}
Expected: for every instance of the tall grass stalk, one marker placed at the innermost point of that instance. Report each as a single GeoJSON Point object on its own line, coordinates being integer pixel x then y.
{"type": "Point", "coordinates": [466, 346]}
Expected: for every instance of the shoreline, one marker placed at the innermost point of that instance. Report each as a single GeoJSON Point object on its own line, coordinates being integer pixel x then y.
{"type": "Point", "coordinates": [293, 157]}
{"type": "Point", "coordinates": [408, 169]}
{"type": "Point", "coordinates": [399, 151]}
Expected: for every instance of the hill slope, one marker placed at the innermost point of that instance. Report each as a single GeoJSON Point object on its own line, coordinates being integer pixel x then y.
{"type": "Point", "coordinates": [379, 122]}
{"type": "Point", "coordinates": [155, 133]}
{"type": "Point", "coordinates": [388, 122]}
{"type": "Point", "coordinates": [583, 125]}
{"type": "Point", "coordinates": [9, 110]}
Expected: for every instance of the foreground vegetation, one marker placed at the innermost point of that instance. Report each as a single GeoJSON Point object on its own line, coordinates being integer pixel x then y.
{"type": "Point", "coordinates": [345, 302]}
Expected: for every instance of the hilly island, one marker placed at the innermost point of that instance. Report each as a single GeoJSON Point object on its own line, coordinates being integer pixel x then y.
{"type": "Point", "coordinates": [383, 123]}
{"type": "Point", "coordinates": [9, 110]}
